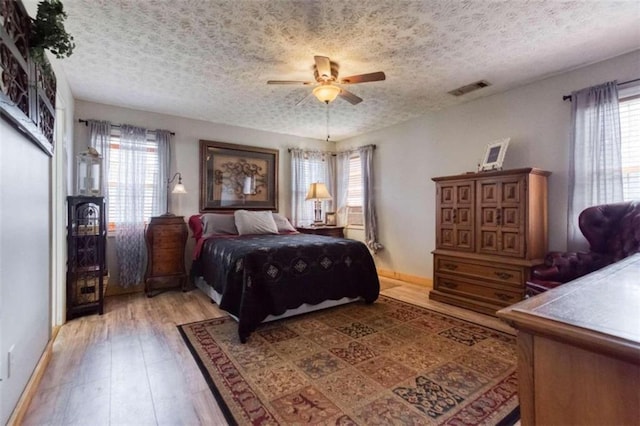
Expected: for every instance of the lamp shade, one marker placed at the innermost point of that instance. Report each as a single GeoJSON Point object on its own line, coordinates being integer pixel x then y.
{"type": "Point", "coordinates": [326, 93]}
{"type": "Point", "coordinates": [179, 189]}
{"type": "Point", "coordinates": [318, 191]}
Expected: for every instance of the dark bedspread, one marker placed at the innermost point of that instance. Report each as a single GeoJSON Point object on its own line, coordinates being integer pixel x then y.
{"type": "Point", "coordinates": [259, 275]}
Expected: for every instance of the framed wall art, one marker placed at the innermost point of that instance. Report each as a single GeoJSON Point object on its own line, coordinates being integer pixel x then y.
{"type": "Point", "coordinates": [494, 155]}
{"type": "Point", "coordinates": [236, 177]}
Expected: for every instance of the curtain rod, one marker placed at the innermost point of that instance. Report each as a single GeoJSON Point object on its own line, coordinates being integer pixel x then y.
{"type": "Point", "coordinates": [568, 97]}
{"type": "Point", "coordinates": [86, 123]}
{"type": "Point", "coordinates": [289, 150]}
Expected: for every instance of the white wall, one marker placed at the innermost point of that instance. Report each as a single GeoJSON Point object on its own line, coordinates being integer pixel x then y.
{"type": "Point", "coordinates": [24, 260]}
{"type": "Point", "coordinates": [185, 155]}
{"type": "Point", "coordinates": [32, 245]}
{"type": "Point", "coordinates": [452, 141]}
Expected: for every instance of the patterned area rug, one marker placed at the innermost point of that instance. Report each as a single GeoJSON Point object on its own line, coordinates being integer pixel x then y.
{"type": "Point", "coordinates": [385, 363]}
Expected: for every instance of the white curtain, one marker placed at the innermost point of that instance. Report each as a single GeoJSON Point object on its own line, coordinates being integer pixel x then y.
{"type": "Point", "coordinates": [308, 167]}
{"type": "Point", "coordinates": [342, 185]}
{"type": "Point", "coordinates": [160, 194]}
{"type": "Point", "coordinates": [595, 167]}
{"type": "Point", "coordinates": [369, 204]}
{"type": "Point", "coordinates": [130, 243]}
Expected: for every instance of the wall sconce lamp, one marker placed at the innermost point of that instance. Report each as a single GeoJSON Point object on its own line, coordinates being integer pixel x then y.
{"type": "Point", "coordinates": [177, 189]}
{"type": "Point", "coordinates": [326, 93]}
{"type": "Point", "coordinates": [317, 192]}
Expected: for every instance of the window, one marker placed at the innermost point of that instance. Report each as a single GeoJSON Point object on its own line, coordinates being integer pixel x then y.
{"type": "Point", "coordinates": [355, 202]}
{"type": "Point", "coordinates": [630, 133]}
{"type": "Point", "coordinates": [150, 148]}
{"type": "Point", "coordinates": [314, 169]}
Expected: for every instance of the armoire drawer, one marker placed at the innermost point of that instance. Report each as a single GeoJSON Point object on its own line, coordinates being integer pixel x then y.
{"type": "Point", "coordinates": [477, 269]}
{"type": "Point", "coordinates": [477, 289]}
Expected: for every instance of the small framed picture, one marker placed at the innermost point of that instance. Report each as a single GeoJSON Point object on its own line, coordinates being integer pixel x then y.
{"type": "Point", "coordinates": [331, 219]}
{"type": "Point", "coordinates": [494, 155]}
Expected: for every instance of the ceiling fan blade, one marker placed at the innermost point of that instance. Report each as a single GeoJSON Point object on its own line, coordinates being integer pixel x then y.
{"type": "Point", "coordinates": [303, 100]}
{"type": "Point", "coordinates": [350, 97]}
{"type": "Point", "coordinates": [290, 82]}
{"type": "Point", "coordinates": [323, 66]}
{"type": "Point", "coordinates": [364, 78]}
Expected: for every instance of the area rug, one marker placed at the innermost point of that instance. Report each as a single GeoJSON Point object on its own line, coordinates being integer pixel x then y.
{"type": "Point", "coordinates": [385, 363]}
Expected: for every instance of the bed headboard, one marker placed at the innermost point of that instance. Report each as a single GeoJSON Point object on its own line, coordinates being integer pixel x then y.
{"type": "Point", "coordinates": [195, 224]}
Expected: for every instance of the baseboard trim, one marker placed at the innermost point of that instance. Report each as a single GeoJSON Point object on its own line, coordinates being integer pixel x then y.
{"type": "Point", "coordinates": [413, 279]}
{"type": "Point", "coordinates": [20, 411]}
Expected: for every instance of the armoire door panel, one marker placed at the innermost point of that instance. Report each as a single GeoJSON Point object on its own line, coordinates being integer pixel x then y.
{"type": "Point", "coordinates": [446, 238]}
{"type": "Point", "coordinates": [489, 241]}
{"type": "Point", "coordinates": [465, 239]}
{"type": "Point", "coordinates": [456, 217]}
{"type": "Point", "coordinates": [465, 216]}
{"type": "Point", "coordinates": [488, 217]}
{"type": "Point", "coordinates": [447, 194]}
{"type": "Point", "coordinates": [511, 216]}
{"type": "Point", "coordinates": [465, 194]}
{"type": "Point", "coordinates": [488, 192]}
{"type": "Point", "coordinates": [446, 216]}
{"type": "Point", "coordinates": [511, 192]}
{"type": "Point", "coordinates": [512, 244]}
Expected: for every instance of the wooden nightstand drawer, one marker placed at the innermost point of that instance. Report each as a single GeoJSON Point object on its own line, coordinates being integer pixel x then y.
{"type": "Point", "coordinates": [479, 269]}
{"type": "Point", "coordinates": [167, 236]}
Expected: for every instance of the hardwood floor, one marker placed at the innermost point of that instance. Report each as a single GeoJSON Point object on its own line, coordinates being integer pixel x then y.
{"type": "Point", "coordinates": [131, 367]}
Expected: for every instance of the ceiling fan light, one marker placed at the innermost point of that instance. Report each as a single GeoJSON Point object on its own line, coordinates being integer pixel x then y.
{"type": "Point", "coordinates": [326, 93]}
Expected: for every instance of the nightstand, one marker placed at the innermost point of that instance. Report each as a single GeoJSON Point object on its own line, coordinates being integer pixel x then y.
{"type": "Point", "coordinates": [329, 231]}
{"type": "Point", "coordinates": [166, 237]}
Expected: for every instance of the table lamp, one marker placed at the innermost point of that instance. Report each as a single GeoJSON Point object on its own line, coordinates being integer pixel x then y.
{"type": "Point", "coordinates": [318, 192]}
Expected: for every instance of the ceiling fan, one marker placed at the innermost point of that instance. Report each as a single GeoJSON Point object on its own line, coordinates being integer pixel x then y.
{"type": "Point", "coordinates": [326, 75]}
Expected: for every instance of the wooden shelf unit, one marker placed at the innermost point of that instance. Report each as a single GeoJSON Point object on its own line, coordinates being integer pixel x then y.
{"type": "Point", "coordinates": [86, 248]}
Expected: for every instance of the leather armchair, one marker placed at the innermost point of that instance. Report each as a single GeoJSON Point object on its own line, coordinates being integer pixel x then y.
{"type": "Point", "coordinates": [613, 233]}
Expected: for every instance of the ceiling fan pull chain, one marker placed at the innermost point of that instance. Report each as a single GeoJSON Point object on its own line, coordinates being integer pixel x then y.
{"type": "Point", "coordinates": [327, 121]}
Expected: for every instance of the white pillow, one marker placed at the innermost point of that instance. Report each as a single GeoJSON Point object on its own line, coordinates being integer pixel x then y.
{"type": "Point", "coordinates": [255, 222]}
{"type": "Point", "coordinates": [217, 223]}
{"type": "Point", "coordinates": [283, 223]}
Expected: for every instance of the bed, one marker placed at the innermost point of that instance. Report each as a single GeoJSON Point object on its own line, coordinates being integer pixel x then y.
{"type": "Point", "coordinates": [267, 276]}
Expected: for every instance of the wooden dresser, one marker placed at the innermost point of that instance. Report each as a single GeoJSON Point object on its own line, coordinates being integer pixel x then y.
{"type": "Point", "coordinates": [329, 231]}
{"type": "Point", "coordinates": [491, 228]}
{"type": "Point", "coordinates": [166, 237]}
{"type": "Point", "coordinates": [579, 350]}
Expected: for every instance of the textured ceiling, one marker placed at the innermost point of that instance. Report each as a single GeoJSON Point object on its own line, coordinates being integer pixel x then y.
{"type": "Point", "coordinates": [210, 60]}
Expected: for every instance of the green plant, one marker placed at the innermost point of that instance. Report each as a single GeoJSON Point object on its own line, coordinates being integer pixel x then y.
{"type": "Point", "coordinates": [47, 32]}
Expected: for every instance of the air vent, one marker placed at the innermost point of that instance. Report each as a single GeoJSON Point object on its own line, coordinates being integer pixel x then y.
{"type": "Point", "coordinates": [469, 88]}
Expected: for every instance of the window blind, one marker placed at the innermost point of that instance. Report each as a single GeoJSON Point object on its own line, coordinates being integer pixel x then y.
{"type": "Point", "coordinates": [355, 193]}
{"type": "Point", "coordinates": [630, 134]}
{"type": "Point", "coordinates": [116, 209]}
